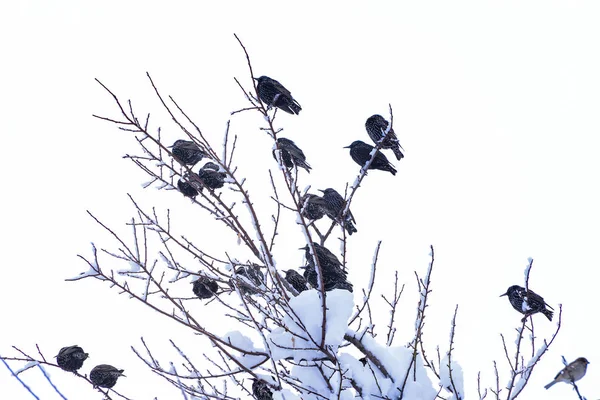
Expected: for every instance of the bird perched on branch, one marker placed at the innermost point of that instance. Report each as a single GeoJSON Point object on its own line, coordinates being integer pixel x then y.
{"type": "Point", "coordinates": [211, 176]}
{"type": "Point", "coordinates": [313, 206]}
{"type": "Point", "coordinates": [71, 358]}
{"type": "Point", "coordinates": [105, 376]}
{"type": "Point", "coordinates": [249, 277]}
{"type": "Point", "coordinates": [188, 189]}
{"type": "Point", "coordinates": [334, 208]}
{"type": "Point", "coordinates": [376, 126]}
{"type": "Point", "coordinates": [527, 302]}
{"type": "Point", "coordinates": [187, 152]}
{"type": "Point", "coordinates": [274, 94]}
{"type": "Point", "coordinates": [325, 257]}
{"type": "Point", "coordinates": [361, 153]}
{"type": "Point", "coordinates": [260, 390]}
{"type": "Point", "coordinates": [296, 280]}
{"type": "Point", "coordinates": [290, 154]}
{"type": "Point", "coordinates": [334, 276]}
{"type": "Point", "coordinates": [571, 373]}
{"type": "Point", "coordinates": [205, 287]}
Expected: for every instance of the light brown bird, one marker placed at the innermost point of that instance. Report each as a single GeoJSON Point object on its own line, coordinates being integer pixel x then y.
{"type": "Point", "coordinates": [571, 373]}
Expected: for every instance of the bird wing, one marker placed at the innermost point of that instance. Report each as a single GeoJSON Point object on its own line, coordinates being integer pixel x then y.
{"type": "Point", "coordinates": [281, 89]}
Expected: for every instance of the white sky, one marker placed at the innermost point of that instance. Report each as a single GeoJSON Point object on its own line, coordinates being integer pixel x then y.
{"type": "Point", "coordinates": [496, 106]}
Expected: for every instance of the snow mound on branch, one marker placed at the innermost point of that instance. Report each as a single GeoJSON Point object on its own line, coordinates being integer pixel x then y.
{"type": "Point", "coordinates": [241, 341]}
{"type": "Point", "coordinates": [304, 328]}
{"type": "Point", "coordinates": [457, 377]}
{"type": "Point", "coordinates": [285, 394]}
{"type": "Point", "coordinates": [398, 362]}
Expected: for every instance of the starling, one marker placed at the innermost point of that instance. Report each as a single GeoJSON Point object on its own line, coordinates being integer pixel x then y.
{"type": "Point", "coordinates": [571, 373]}
{"type": "Point", "coordinates": [249, 277]}
{"type": "Point", "coordinates": [211, 177]}
{"type": "Point", "coordinates": [71, 358]}
{"type": "Point", "coordinates": [260, 390]}
{"type": "Point", "coordinates": [334, 209]}
{"type": "Point", "coordinates": [361, 153]}
{"type": "Point", "coordinates": [273, 94]}
{"type": "Point", "coordinates": [527, 303]}
{"type": "Point", "coordinates": [296, 280]}
{"type": "Point", "coordinates": [325, 257]}
{"type": "Point", "coordinates": [334, 277]}
{"type": "Point", "coordinates": [331, 280]}
{"type": "Point", "coordinates": [105, 376]}
{"type": "Point", "coordinates": [313, 206]}
{"type": "Point", "coordinates": [205, 287]}
{"type": "Point", "coordinates": [188, 189]}
{"type": "Point", "coordinates": [376, 126]}
{"type": "Point", "coordinates": [187, 152]}
{"type": "Point", "coordinates": [291, 154]}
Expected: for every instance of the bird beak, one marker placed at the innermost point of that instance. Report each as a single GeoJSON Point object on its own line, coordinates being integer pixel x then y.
{"type": "Point", "coordinates": [303, 248]}
{"type": "Point", "coordinates": [346, 147]}
{"type": "Point", "coordinates": [255, 80]}
{"type": "Point", "coordinates": [322, 191]}
{"type": "Point", "coordinates": [503, 294]}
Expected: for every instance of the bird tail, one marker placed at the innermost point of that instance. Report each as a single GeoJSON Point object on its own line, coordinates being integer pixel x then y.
{"type": "Point", "coordinates": [549, 385]}
{"type": "Point", "coordinates": [294, 108]}
{"type": "Point", "coordinates": [350, 227]}
{"type": "Point", "coordinates": [548, 313]}
{"type": "Point", "coordinates": [391, 169]}
{"type": "Point", "coordinates": [398, 153]}
{"type": "Point", "coordinates": [304, 164]}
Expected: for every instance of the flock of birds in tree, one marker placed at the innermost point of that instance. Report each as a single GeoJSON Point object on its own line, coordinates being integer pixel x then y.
{"type": "Point", "coordinates": [71, 359]}
{"type": "Point", "coordinates": [315, 207]}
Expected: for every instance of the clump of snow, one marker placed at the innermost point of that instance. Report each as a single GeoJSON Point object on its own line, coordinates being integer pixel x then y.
{"type": "Point", "coordinates": [525, 306]}
{"type": "Point", "coordinates": [242, 341]}
{"type": "Point", "coordinates": [30, 364]}
{"type": "Point", "coordinates": [303, 334]}
{"type": "Point", "coordinates": [398, 362]}
{"type": "Point", "coordinates": [457, 378]}
{"type": "Point", "coordinates": [311, 378]}
{"type": "Point", "coordinates": [285, 394]}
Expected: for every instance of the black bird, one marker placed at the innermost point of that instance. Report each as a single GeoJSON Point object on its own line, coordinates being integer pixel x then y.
{"type": "Point", "coordinates": [205, 287]}
{"type": "Point", "coordinates": [188, 189]}
{"type": "Point", "coordinates": [331, 280]}
{"type": "Point", "coordinates": [249, 277]}
{"type": "Point", "coordinates": [527, 303]}
{"type": "Point", "coordinates": [105, 376]}
{"type": "Point", "coordinates": [296, 280]}
{"type": "Point", "coordinates": [71, 358]}
{"type": "Point", "coordinates": [360, 153]}
{"type": "Point", "coordinates": [291, 154]}
{"type": "Point", "coordinates": [187, 152]}
{"type": "Point", "coordinates": [325, 257]}
{"type": "Point", "coordinates": [273, 94]}
{"type": "Point", "coordinates": [260, 390]}
{"type": "Point", "coordinates": [376, 126]}
{"type": "Point", "coordinates": [334, 276]}
{"type": "Point", "coordinates": [334, 209]}
{"type": "Point", "coordinates": [211, 177]}
{"type": "Point", "coordinates": [313, 206]}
